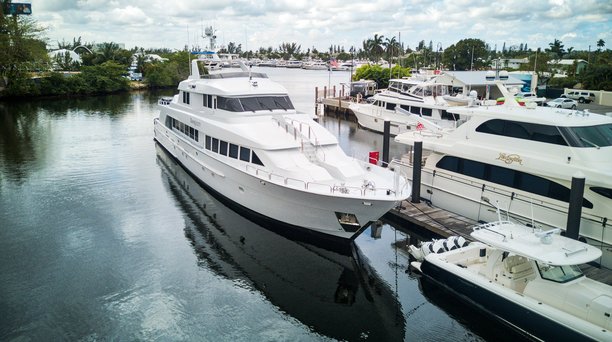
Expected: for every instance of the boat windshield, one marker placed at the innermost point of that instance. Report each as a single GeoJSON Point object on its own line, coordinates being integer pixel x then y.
{"type": "Point", "coordinates": [252, 104]}
{"type": "Point", "coordinates": [559, 274]}
{"type": "Point", "coordinates": [588, 136]}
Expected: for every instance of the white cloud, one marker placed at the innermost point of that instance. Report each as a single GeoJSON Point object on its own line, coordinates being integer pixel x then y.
{"type": "Point", "coordinates": [255, 23]}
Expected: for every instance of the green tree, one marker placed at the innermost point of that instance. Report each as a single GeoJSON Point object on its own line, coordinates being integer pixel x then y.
{"type": "Point", "coordinates": [374, 47]}
{"type": "Point", "coordinates": [600, 44]}
{"type": "Point", "coordinates": [466, 54]}
{"type": "Point", "coordinates": [379, 74]}
{"type": "Point", "coordinates": [22, 50]}
{"type": "Point", "coordinates": [392, 48]}
{"type": "Point", "coordinates": [556, 49]}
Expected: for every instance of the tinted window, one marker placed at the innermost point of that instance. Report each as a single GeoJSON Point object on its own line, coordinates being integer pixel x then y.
{"type": "Point", "coordinates": [415, 110]}
{"type": "Point", "coordinates": [473, 169]}
{"type": "Point", "coordinates": [215, 144]}
{"type": "Point", "coordinates": [606, 192]}
{"type": "Point", "coordinates": [245, 154]}
{"type": "Point", "coordinates": [523, 130]}
{"type": "Point", "coordinates": [229, 104]}
{"type": "Point", "coordinates": [590, 136]}
{"type": "Point", "coordinates": [255, 159]}
{"type": "Point", "coordinates": [233, 151]}
{"type": "Point", "coordinates": [390, 106]}
{"type": "Point", "coordinates": [512, 178]}
{"type": "Point", "coordinates": [208, 142]}
{"type": "Point", "coordinates": [223, 147]}
{"type": "Point", "coordinates": [426, 111]}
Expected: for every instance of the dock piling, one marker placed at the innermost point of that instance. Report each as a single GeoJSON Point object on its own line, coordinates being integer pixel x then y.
{"type": "Point", "coordinates": [386, 138]}
{"type": "Point", "coordinates": [416, 172]}
{"type": "Point", "coordinates": [575, 206]}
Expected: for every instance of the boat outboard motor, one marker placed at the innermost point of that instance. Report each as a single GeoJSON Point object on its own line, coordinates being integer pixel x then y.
{"type": "Point", "coordinates": [454, 242]}
{"type": "Point", "coordinates": [435, 246]}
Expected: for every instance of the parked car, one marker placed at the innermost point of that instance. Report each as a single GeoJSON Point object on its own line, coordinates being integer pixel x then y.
{"type": "Point", "coordinates": [580, 96]}
{"type": "Point", "coordinates": [562, 102]}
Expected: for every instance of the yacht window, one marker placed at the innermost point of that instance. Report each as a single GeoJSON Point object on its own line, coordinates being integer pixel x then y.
{"type": "Point", "coordinates": [208, 142]}
{"type": "Point", "coordinates": [559, 274]}
{"type": "Point", "coordinates": [449, 116]}
{"type": "Point", "coordinates": [223, 147]}
{"type": "Point", "coordinates": [209, 101]}
{"type": "Point", "coordinates": [415, 110]}
{"type": "Point", "coordinates": [589, 136]}
{"type": "Point", "coordinates": [418, 91]}
{"type": "Point", "coordinates": [523, 130]}
{"type": "Point", "coordinates": [426, 111]}
{"type": "Point", "coordinates": [186, 97]}
{"type": "Point", "coordinates": [606, 192]}
{"type": "Point", "coordinates": [215, 145]}
{"type": "Point", "coordinates": [501, 175]}
{"type": "Point", "coordinates": [473, 169]}
{"type": "Point", "coordinates": [169, 122]}
{"type": "Point", "coordinates": [404, 107]}
{"type": "Point", "coordinates": [255, 159]}
{"type": "Point", "coordinates": [233, 151]}
{"type": "Point", "coordinates": [245, 153]}
{"type": "Point", "coordinates": [390, 106]}
{"type": "Point", "coordinates": [230, 104]}
{"type": "Point", "coordinates": [508, 177]}
{"type": "Point", "coordinates": [205, 100]}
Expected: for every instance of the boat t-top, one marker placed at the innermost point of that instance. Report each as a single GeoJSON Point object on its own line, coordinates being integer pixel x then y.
{"type": "Point", "coordinates": [526, 277]}
{"type": "Point", "coordinates": [239, 134]}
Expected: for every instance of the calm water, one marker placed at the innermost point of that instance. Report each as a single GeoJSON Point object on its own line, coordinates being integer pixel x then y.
{"type": "Point", "coordinates": [103, 237]}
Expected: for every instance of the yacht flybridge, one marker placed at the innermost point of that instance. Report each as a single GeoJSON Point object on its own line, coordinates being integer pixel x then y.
{"type": "Point", "coordinates": [525, 157]}
{"type": "Point", "coordinates": [526, 277]}
{"type": "Point", "coordinates": [240, 136]}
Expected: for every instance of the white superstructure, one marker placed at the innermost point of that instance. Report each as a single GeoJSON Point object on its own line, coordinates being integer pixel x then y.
{"type": "Point", "coordinates": [239, 134]}
{"type": "Point", "coordinates": [525, 158]}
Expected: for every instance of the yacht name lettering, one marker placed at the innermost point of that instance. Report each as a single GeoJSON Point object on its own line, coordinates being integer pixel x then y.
{"type": "Point", "coordinates": [510, 158]}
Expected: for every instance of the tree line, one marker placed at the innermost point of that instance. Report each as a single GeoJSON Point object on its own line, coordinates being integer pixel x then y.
{"type": "Point", "coordinates": [25, 68]}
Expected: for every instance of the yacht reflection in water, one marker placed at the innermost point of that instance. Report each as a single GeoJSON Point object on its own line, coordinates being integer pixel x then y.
{"type": "Point", "coordinates": [334, 292]}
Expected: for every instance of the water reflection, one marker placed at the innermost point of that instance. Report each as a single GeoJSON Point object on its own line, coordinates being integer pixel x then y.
{"type": "Point", "coordinates": [335, 294]}
{"type": "Point", "coordinates": [27, 127]}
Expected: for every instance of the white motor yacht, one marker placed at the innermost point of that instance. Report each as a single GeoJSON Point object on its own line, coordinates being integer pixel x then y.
{"type": "Point", "coordinates": [525, 277]}
{"type": "Point", "coordinates": [240, 136]}
{"type": "Point", "coordinates": [407, 100]}
{"type": "Point", "coordinates": [524, 156]}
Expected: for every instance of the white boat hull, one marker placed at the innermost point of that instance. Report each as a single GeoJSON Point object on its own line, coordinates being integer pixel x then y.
{"type": "Point", "coordinates": [296, 208]}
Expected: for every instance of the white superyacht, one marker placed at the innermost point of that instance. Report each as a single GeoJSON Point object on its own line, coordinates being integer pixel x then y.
{"type": "Point", "coordinates": [524, 157]}
{"type": "Point", "coordinates": [240, 136]}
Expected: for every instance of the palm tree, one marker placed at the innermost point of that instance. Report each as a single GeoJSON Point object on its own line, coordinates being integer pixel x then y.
{"type": "Point", "coordinates": [392, 48]}
{"type": "Point", "coordinates": [600, 44]}
{"type": "Point", "coordinates": [374, 47]}
{"type": "Point", "coordinates": [556, 48]}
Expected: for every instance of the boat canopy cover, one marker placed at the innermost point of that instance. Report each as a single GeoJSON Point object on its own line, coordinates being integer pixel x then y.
{"type": "Point", "coordinates": [543, 246]}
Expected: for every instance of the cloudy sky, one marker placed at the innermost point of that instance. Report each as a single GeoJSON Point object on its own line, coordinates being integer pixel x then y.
{"type": "Point", "coordinates": [321, 23]}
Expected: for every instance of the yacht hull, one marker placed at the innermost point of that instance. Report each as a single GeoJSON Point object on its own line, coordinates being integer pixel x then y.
{"type": "Point", "coordinates": [512, 309]}
{"type": "Point", "coordinates": [374, 119]}
{"type": "Point", "coordinates": [295, 209]}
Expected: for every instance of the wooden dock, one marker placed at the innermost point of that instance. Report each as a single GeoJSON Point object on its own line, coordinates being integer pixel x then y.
{"type": "Point", "coordinates": [443, 224]}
